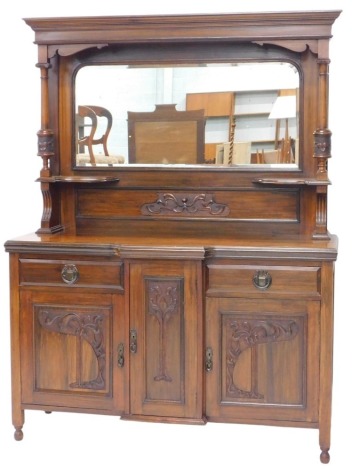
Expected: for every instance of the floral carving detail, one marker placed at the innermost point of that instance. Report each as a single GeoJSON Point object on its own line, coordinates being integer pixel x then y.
{"type": "Point", "coordinates": [88, 327]}
{"type": "Point", "coordinates": [246, 334]}
{"type": "Point", "coordinates": [169, 203]}
{"type": "Point", "coordinates": [163, 302]}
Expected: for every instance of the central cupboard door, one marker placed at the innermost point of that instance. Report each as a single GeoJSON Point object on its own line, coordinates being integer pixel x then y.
{"type": "Point", "coordinates": [165, 340]}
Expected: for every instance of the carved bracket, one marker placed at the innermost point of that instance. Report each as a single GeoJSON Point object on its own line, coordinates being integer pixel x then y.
{"type": "Point", "coordinates": [321, 231]}
{"type": "Point", "coordinates": [49, 222]}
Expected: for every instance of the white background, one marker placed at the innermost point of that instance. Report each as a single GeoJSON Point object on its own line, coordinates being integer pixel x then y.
{"type": "Point", "coordinates": [70, 441]}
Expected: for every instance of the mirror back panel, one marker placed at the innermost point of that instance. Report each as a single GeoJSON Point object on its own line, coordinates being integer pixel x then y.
{"type": "Point", "coordinates": [193, 122]}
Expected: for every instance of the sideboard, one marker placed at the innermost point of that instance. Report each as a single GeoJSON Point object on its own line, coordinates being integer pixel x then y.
{"type": "Point", "coordinates": [183, 291]}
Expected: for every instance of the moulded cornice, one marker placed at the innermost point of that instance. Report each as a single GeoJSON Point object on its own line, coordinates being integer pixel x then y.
{"type": "Point", "coordinates": [265, 26]}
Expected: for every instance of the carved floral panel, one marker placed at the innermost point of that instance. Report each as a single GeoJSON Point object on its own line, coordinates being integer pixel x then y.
{"type": "Point", "coordinates": [75, 342]}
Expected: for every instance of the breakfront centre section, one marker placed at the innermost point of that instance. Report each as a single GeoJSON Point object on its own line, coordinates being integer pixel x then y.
{"type": "Point", "coordinates": [183, 270]}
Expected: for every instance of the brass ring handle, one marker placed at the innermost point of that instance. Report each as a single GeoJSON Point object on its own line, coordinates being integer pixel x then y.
{"type": "Point", "coordinates": [262, 280]}
{"type": "Point", "coordinates": [69, 273]}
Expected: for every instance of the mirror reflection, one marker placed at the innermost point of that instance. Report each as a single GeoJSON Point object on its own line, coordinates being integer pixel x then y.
{"type": "Point", "coordinates": [241, 114]}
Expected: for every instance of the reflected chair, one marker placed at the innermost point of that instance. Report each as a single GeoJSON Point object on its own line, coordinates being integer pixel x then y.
{"type": "Point", "coordinates": [93, 113]}
{"type": "Point", "coordinates": [268, 156]}
{"type": "Point", "coordinates": [166, 136]}
{"type": "Point", "coordinates": [281, 155]}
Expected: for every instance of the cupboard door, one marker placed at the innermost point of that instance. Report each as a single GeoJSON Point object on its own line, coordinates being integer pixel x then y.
{"type": "Point", "coordinates": [165, 340]}
{"type": "Point", "coordinates": [69, 355]}
{"type": "Point", "coordinates": [262, 360]}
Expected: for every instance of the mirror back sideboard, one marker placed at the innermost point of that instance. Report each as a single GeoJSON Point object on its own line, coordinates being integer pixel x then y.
{"type": "Point", "coordinates": [189, 286]}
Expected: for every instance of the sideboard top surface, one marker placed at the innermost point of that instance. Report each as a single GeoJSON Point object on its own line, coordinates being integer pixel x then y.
{"type": "Point", "coordinates": [171, 247]}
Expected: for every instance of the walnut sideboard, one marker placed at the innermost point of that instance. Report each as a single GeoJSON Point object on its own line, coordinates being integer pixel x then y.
{"type": "Point", "coordinates": [168, 290]}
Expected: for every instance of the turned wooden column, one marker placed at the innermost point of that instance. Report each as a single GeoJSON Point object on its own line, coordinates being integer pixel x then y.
{"type": "Point", "coordinates": [322, 144]}
{"type": "Point", "coordinates": [46, 150]}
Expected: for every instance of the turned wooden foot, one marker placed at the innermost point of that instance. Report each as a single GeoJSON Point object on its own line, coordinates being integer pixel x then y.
{"type": "Point", "coordinates": [18, 434]}
{"type": "Point", "coordinates": [325, 456]}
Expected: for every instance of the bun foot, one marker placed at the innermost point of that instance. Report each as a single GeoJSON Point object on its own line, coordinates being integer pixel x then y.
{"type": "Point", "coordinates": [325, 456]}
{"type": "Point", "coordinates": [18, 434]}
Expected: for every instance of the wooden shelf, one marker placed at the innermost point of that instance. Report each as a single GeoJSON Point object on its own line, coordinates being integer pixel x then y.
{"type": "Point", "coordinates": [78, 179]}
{"type": "Point", "coordinates": [292, 182]}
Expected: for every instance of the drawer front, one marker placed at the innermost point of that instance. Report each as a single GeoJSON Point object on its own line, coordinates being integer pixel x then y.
{"type": "Point", "coordinates": [98, 274]}
{"type": "Point", "coordinates": [251, 279]}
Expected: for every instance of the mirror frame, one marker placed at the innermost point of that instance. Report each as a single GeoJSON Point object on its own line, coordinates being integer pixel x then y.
{"type": "Point", "coordinates": [303, 35]}
{"type": "Point", "coordinates": [237, 54]}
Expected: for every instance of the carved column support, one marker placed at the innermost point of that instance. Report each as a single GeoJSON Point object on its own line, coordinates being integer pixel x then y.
{"type": "Point", "coordinates": [46, 150]}
{"type": "Point", "coordinates": [322, 150]}
{"type": "Point", "coordinates": [322, 135]}
{"type": "Point", "coordinates": [45, 134]}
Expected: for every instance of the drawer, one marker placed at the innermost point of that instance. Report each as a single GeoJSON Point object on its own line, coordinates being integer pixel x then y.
{"type": "Point", "coordinates": [250, 279]}
{"type": "Point", "coordinates": [98, 274]}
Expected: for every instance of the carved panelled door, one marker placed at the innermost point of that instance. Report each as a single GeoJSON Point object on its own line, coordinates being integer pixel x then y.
{"type": "Point", "coordinates": [165, 339]}
{"type": "Point", "coordinates": [69, 349]}
{"type": "Point", "coordinates": [262, 359]}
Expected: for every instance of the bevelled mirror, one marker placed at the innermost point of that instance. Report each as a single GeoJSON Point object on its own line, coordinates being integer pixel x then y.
{"type": "Point", "coordinates": [230, 114]}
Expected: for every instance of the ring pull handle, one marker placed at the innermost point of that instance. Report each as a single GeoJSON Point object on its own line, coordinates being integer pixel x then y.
{"type": "Point", "coordinates": [262, 280]}
{"type": "Point", "coordinates": [69, 273]}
